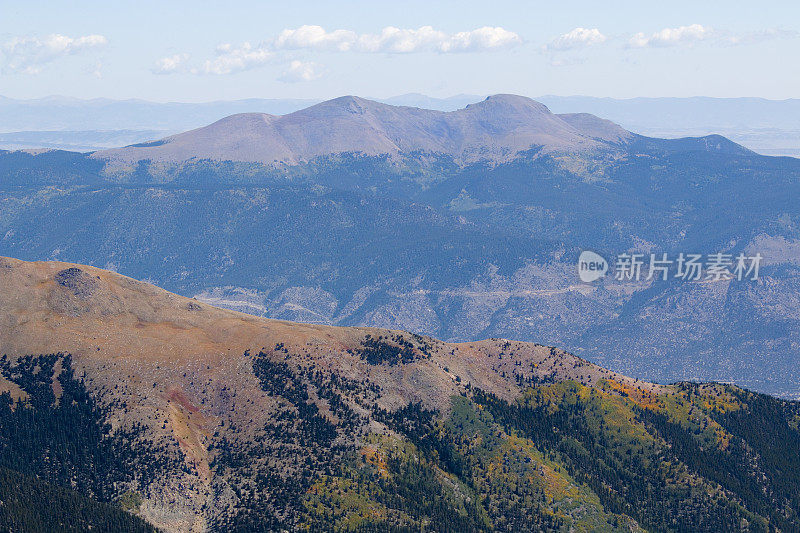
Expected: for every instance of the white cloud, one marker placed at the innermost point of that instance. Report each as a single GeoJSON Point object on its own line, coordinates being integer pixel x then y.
{"type": "Point", "coordinates": [486, 38]}
{"type": "Point", "coordinates": [681, 36]}
{"type": "Point", "coordinates": [171, 64]}
{"type": "Point", "coordinates": [230, 59]}
{"type": "Point", "coordinates": [28, 54]}
{"type": "Point", "coordinates": [396, 40]}
{"type": "Point", "coordinates": [404, 41]}
{"type": "Point", "coordinates": [315, 37]}
{"type": "Point", "coordinates": [689, 35]}
{"type": "Point", "coordinates": [577, 38]}
{"type": "Point", "coordinates": [301, 71]}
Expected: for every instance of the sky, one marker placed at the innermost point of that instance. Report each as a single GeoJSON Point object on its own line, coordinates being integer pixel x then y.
{"type": "Point", "coordinates": [175, 50]}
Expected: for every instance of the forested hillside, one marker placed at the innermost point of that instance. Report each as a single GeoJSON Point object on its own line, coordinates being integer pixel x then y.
{"type": "Point", "coordinates": [194, 418]}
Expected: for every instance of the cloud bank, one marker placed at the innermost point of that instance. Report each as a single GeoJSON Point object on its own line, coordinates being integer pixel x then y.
{"type": "Point", "coordinates": [696, 33]}
{"type": "Point", "coordinates": [288, 47]}
{"type": "Point", "coordinates": [397, 40]}
{"type": "Point", "coordinates": [229, 59]}
{"type": "Point", "coordinates": [29, 54]}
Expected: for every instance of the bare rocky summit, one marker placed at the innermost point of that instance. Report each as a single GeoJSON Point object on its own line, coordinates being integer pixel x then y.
{"type": "Point", "coordinates": [497, 128]}
{"type": "Point", "coordinates": [184, 369]}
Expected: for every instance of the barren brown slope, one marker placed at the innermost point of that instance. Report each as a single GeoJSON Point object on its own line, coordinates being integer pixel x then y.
{"type": "Point", "coordinates": [495, 129]}
{"type": "Point", "coordinates": [180, 367]}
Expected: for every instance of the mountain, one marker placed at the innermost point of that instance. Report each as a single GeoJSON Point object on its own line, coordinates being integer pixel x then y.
{"type": "Point", "coordinates": [194, 417]}
{"type": "Point", "coordinates": [768, 127]}
{"type": "Point", "coordinates": [437, 245]}
{"type": "Point", "coordinates": [765, 126]}
{"type": "Point", "coordinates": [498, 128]}
{"type": "Point", "coordinates": [684, 113]}
{"type": "Point", "coordinates": [78, 141]}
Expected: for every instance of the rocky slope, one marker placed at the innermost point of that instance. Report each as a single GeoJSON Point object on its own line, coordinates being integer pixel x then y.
{"type": "Point", "coordinates": [210, 419]}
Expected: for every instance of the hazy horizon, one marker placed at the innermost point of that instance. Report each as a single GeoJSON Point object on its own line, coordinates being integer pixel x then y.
{"type": "Point", "coordinates": [177, 52]}
{"type": "Point", "coordinates": [391, 96]}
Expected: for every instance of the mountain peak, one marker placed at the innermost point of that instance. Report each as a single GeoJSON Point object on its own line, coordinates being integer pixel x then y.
{"type": "Point", "coordinates": [510, 99]}
{"type": "Point", "coordinates": [350, 103]}
{"type": "Point", "coordinates": [495, 129]}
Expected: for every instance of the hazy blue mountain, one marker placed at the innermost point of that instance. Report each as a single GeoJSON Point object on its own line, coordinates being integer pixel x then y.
{"type": "Point", "coordinates": [62, 113]}
{"type": "Point", "coordinates": [423, 241]}
{"type": "Point", "coordinates": [78, 141]}
{"type": "Point", "coordinates": [679, 113]}
{"type": "Point", "coordinates": [771, 127]}
{"type": "Point", "coordinates": [59, 113]}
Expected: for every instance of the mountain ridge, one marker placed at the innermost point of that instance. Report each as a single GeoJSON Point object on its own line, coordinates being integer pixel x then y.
{"type": "Point", "coordinates": [766, 126]}
{"type": "Point", "coordinates": [171, 359]}
{"type": "Point", "coordinates": [168, 415]}
{"type": "Point", "coordinates": [53, 294]}
{"type": "Point", "coordinates": [497, 128]}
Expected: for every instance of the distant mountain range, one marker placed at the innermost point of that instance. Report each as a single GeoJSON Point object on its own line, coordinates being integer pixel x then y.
{"type": "Point", "coordinates": [766, 126]}
{"type": "Point", "coordinates": [769, 127]}
{"type": "Point", "coordinates": [76, 141]}
{"type": "Point", "coordinates": [124, 407]}
{"type": "Point", "coordinates": [60, 113]}
{"type": "Point", "coordinates": [462, 225]}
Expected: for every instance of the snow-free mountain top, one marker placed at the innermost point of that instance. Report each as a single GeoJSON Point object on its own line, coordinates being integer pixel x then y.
{"type": "Point", "coordinates": [497, 128]}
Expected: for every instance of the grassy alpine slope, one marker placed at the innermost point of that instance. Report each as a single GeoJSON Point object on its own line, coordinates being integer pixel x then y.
{"type": "Point", "coordinates": [194, 418]}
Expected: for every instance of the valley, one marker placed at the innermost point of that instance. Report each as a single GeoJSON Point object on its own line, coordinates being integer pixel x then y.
{"type": "Point", "coordinates": [435, 236]}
